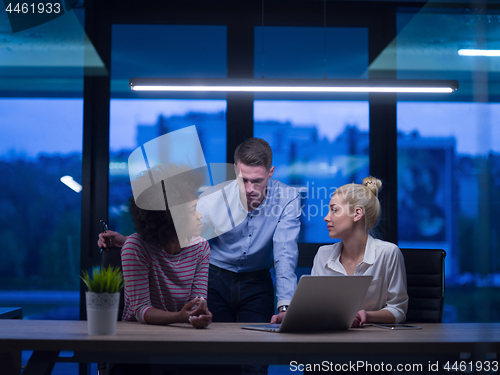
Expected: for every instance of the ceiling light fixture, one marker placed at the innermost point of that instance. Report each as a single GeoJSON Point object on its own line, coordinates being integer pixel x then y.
{"type": "Point", "coordinates": [294, 85]}
{"type": "Point", "coordinates": [479, 52]}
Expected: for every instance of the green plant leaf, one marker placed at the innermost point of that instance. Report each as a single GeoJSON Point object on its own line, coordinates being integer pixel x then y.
{"type": "Point", "coordinates": [106, 280]}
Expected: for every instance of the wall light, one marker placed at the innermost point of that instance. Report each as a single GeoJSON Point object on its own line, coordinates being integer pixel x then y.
{"type": "Point", "coordinates": [479, 52]}
{"type": "Point", "coordinates": [293, 85]}
{"type": "Point", "coordinates": [69, 182]}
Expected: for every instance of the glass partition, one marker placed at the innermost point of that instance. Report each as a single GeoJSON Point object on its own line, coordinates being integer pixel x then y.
{"type": "Point", "coordinates": [319, 142]}
{"type": "Point", "coordinates": [449, 152]}
{"type": "Point", "coordinates": [448, 192]}
{"type": "Point", "coordinates": [40, 215]}
{"type": "Point", "coordinates": [137, 118]}
{"type": "Point", "coordinates": [134, 122]}
{"type": "Point", "coordinates": [317, 147]}
{"type": "Point", "coordinates": [41, 132]}
{"type": "Point", "coordinates": [310, 52]}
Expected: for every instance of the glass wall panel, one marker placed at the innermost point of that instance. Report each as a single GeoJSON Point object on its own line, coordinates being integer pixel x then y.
{"type": "Point", "coordinates": [448, 193]}
{"type": "Point", "coordinates": [41, 134]}
{"type": "Point", "coordinates": [134, 122]}
{"type": "Point", "coordinates": [41, 123]}
{"type": "Point", "coordinates": [40, 215]}
{"type": "Point", "coordinates": [310, 52]}
{"type": "Point", "coordinates": [319, 142]}
{"type": "Point", "coordinates": [182, 51]}
{"type": "Point", "coordinates": [317, 146]}
{"type": "Point", "coordinates": [448, 154]}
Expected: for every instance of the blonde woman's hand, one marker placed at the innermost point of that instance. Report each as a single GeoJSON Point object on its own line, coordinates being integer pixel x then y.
{"type": "Point", "coordinates": [359, 320]}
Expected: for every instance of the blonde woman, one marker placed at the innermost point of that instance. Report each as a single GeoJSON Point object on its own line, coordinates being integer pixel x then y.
{"type": "Point", "coordinates": [353, 213]}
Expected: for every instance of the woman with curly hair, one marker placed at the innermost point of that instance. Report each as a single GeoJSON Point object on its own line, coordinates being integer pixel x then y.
{"type": "Point", "coordinates": [165, 263]}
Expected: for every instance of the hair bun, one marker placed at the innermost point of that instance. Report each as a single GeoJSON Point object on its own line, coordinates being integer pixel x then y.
{"type": "Point", "coordinates": [372, 183]}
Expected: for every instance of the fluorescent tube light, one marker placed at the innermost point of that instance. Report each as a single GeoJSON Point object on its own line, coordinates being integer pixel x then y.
{"type": "Point", "coordinates": [69, 182]}
{"type": "Point", "coordinates": [479, 52]}
{"type": "Point", "coordinates": [293, 85]}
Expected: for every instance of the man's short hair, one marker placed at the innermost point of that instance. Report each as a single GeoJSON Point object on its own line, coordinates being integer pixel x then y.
{"type": "Point", "coordinates": [254, 152]}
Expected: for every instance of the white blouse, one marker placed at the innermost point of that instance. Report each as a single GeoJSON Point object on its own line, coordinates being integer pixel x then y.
{"type": "Point", "coordinates": [384, 261]}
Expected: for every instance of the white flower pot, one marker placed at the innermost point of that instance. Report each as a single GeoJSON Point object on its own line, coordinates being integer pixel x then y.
{"type": "Point", "coordinates": [102, 312]}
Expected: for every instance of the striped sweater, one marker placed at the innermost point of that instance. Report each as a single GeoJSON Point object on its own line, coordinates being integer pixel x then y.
{"type": "Point", "coordinates": [155, 278]}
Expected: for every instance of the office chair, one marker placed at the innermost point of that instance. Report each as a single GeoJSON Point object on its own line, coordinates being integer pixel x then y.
{"type": "Point", "coordinates": [425, 278]}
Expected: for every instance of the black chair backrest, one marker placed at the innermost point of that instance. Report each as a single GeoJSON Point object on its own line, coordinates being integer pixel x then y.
{"type": "Point", "coordinates": [425, 277]}
{"type": "Point", "coordinates": [112, 257]}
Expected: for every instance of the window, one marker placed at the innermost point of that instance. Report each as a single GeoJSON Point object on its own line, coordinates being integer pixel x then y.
{"type": "Point", "coordinates": [448, 157]}
{"type": "Point", "coordinates": [41, 123]}
{"type": "Point", "coordinates": [319, 142]}
{"type": "Point", "coordinates": [317, 147]}
{"type": "Point", "coordinates": [448, 162]}
{"type": "Point", "coordinates": [136, 118]}
{"type": "Point", "coordinates": [134, 122]}
{"type": "Point", "coordinates": [41, 127]}
{"type": "Point", "coordinates": [310, 52]}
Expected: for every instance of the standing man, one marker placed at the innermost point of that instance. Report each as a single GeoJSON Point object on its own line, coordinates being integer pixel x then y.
{"type": "Point", "coordinates": [240, 287]}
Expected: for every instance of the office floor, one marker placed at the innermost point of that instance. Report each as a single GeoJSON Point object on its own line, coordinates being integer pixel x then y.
{"type": "Point", "coordinates": [72, 368]}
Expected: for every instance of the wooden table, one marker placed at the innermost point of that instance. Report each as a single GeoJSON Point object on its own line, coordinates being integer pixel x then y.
{"type": "Point", "coordinates": [227, 343]}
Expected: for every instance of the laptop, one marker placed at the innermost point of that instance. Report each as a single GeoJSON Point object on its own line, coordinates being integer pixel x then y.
{"type": "Point", "coordinates": [321, 303]}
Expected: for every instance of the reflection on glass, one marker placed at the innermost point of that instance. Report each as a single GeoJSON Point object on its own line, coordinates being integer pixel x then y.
{"type": "Point", "coordinates": [317, 146]}
{"type": "Point", "coordinates": [448, 189]}
{"type": "Point", "coordinates": [135, 122]}
{"type": "Point", "coordinates": [427, 45]}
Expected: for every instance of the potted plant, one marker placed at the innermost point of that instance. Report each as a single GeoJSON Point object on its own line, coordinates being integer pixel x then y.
{"type": "Point", "coordinates": [102, 299]}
